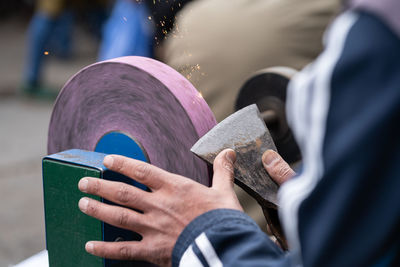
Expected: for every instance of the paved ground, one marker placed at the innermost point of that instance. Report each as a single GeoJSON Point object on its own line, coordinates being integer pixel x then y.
{"type": "Point", "coordinates": [23, 137]}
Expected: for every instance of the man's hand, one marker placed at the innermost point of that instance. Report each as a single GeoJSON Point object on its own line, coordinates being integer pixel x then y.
{"type": "Point", "coordinates": [174, 201]}
{"type": "Point", "coordinates": [276, 167]}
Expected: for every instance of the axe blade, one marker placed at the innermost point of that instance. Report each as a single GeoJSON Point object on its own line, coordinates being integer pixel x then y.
{"type": "Point", "coordinates": [246, 133]}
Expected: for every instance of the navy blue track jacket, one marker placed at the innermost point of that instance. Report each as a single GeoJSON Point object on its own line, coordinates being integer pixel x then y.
{"type": "Point", "coordinates": [343, 209]}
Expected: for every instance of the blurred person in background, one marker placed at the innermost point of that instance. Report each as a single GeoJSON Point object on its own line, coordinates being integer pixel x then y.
{"type": "Point", "coordinates": [135, 27]}
{"type": "Point", "coordinates": [128, 31]}
{"type": "Point", "coordinates": [50, 32]}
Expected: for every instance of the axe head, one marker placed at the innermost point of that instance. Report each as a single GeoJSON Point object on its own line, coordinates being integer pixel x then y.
{"type": "Point", "coordinates": [246, 133]}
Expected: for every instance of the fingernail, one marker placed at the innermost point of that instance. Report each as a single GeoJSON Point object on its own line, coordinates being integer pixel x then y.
{"type": "Point", "coordinates": [83, 184]}
{"type": "Point", "coordinates": [108, 161]}
{"type": "Point", "coordinates": [83, 204]}
{"type": "Point", "coordinates": [269, 157]}
{"type": "Point", "coordinates": [89, 247]}
{"type": "Point", "coordinates": [230, 155]}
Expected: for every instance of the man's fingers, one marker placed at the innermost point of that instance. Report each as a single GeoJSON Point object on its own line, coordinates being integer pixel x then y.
{"type": "Point", "coordinates": [138, 170]}
{"type": "Point", "coordinates": [125, 250]}
{"type": "Point", "coordinates": [223, 170]}
{"type": "Point", "coordinates": [114, 215]}
{"type": "Point", "coordinates": [277, 168]}
{"type": "Point", "coordinates": [116, 192]}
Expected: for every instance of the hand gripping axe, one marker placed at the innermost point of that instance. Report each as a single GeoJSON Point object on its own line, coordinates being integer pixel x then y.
{"type": "Point", "coordinates": [246, 133]}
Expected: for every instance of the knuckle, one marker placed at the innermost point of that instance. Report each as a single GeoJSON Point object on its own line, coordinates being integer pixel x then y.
{"type": "Point", "coordinates": [142, 171]}
{"type": "Point", "coordinates": [220, 162]}
{"type": "Point", "coordinates": [123, 194]}
{"type": "Point", "coordinates": [123, 218]}
{"type": "Point", "coordinates": [283, 170]}
{"type": "Point", "coordinates": [125, 252]}
{"type": "Point", "coordinates": [96, 186]}
{"type": "Point", "coordinates": [185, 186]}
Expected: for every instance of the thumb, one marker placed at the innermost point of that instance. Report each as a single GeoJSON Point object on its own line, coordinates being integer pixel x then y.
{"type": "Point", "coordinates": [276, 167]}
{"type": "Point", "coordinates": [224, 170]}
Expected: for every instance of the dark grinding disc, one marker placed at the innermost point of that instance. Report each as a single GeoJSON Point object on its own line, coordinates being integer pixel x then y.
{"type": "Point", "coordinates": [142, 98]}
{"type": "Point", "coordinates": [267, 88]}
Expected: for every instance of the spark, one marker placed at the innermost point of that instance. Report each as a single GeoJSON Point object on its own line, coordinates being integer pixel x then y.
{"type": "Point", "coordinates": [46, 53]}
{"type": "Point", "coordinates": [149, 17]}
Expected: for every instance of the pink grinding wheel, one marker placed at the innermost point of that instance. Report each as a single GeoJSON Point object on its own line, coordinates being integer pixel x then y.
{"type": "Point", "coordinates": [144, 99]}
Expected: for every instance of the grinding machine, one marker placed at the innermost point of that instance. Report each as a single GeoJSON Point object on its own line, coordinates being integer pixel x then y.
{"type": "Point", "coordinates": [132, 106]}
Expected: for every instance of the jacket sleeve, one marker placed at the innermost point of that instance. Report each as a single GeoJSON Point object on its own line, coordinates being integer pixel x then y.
{"type": "Point", "coordinates": [226, 238]}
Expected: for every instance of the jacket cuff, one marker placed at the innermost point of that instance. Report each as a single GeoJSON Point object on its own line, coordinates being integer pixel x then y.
{"type": "Point", "coordinates": [205, 222]}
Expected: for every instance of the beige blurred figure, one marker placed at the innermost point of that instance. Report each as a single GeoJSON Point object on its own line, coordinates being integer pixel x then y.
{"type": "Point", "coordinates": [218, 44]}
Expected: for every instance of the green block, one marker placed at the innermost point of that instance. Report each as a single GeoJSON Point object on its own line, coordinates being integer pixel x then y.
{"type": "Point", "coordinates": [67, 228]}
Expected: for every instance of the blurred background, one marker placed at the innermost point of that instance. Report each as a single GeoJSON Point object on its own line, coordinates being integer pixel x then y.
{"type": "Point", "coordinates": [23, 132]}
{"type": "Point", "coordinates": [215, 44]}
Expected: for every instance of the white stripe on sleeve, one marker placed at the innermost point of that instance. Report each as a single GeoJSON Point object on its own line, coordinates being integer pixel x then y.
{"type": "Point", "coordinates": [308, 123]}
{"type": "Point", "coordinates": [208, 251]}
{"type": "Point", "coordinates": [189, 259]}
